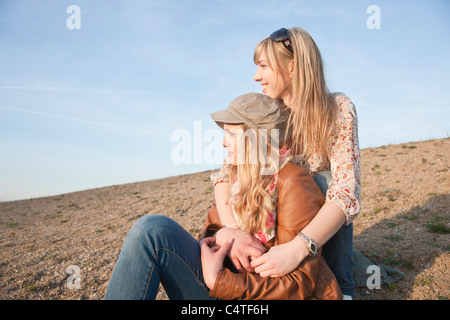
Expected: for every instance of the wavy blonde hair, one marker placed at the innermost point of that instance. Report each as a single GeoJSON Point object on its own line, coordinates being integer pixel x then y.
{"type": "Point", "coordinates": [252, 202]}
{"type": "Point", "coordinates": [312, 111]}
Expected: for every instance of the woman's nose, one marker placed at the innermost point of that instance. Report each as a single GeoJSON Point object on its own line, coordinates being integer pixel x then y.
{"type": "Point", "coordinates": [257, 76]}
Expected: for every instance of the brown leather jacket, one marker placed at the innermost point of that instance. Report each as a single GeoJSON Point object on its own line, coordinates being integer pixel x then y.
{"type": "Point", "coordinates": [299, 200]}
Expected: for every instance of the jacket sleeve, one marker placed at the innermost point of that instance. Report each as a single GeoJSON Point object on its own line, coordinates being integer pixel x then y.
{"type": "Point", "coordinates": [299, 200]}
{"type": "Point", "coordinates": [211, 225]}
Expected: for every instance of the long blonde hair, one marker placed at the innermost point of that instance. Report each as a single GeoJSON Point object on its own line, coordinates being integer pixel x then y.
{"type": "Point", "coordinates": [312, 110]}
{"type": "Point", "coordinates": [252, 202]}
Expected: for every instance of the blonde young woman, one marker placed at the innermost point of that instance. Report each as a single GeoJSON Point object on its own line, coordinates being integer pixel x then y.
{"type": "Point", "coordinates": [325, 142]}
{"type": "Point", "coordinates": [272, 200]}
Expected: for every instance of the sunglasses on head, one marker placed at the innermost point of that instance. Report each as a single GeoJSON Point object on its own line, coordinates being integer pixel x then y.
{"type": "Point", "coordinates": [283, 36]}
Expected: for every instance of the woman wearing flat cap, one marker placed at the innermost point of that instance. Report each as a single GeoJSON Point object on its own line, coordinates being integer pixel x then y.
{"type": "Point", "coordinates": [271, 199]}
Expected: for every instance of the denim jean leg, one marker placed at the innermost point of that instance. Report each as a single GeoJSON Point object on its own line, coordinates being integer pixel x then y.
{"type": "Point", "coordinates": [338, 251]}
{"type": "Point", "coordinates": [157, 249]}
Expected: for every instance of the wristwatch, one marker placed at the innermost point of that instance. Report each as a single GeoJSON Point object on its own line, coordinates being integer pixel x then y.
{"type": "Point", "coordinates": [310, 244]}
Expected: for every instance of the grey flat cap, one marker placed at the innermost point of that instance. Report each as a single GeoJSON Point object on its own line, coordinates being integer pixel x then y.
{"type": "Point", "coordinates": [256, 110]}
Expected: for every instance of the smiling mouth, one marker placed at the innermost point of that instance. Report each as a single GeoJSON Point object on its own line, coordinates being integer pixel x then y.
{"type": "Point", "coordinates": [264, 86]}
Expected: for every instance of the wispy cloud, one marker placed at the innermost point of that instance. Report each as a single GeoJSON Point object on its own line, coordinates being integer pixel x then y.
{"type": "Point", "coordinates": [105, 90]}
{"type": "Point", "coordinates": [85, 121]}
{"type": "Point", "coordinates": [32, 88]}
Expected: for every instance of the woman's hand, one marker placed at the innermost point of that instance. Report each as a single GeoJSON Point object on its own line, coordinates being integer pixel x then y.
{"type": "Point", "coordinates": [245, 247]}
{"type": "Point", "coordinates": [212, 259]}
{"type": "Point", "coordinates": [281, 260]}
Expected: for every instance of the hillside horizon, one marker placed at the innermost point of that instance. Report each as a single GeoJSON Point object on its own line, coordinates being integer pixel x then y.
{"type": "Point", "coordinates": [171, 176]}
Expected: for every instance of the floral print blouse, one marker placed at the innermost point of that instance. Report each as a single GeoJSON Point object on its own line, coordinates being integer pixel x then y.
{"type": "Point", "coordinates": [343, 161]}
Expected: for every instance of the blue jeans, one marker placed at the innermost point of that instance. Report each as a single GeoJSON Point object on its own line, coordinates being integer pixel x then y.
{"type": "Point", "coordinates": [157, 249]}
{"type": "Point", "coordinates": [338, 251]}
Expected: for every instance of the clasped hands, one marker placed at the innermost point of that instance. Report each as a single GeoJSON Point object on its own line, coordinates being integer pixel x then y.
{"type": "Point", "coordinates": [248, 255]}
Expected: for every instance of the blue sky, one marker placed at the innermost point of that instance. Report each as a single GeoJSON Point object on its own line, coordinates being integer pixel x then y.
{"type": "Point", "coordinates": [97, 106]}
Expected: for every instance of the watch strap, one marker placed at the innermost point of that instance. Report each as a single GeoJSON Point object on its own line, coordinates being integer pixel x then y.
{"type": "Point", "coordinates": [311, 246]}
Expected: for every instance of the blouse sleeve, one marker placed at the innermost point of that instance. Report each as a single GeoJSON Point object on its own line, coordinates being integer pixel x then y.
{"type": "Point", "coordinates": [222, 175]}
{"type": "Point", "coordinates": [344, 156]}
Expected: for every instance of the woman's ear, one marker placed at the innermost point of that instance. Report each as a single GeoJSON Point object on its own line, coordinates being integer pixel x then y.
{"type": "Point", "coordinates": [291, 67]}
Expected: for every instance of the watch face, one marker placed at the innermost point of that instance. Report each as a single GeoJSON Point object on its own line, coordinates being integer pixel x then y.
{"type": "Point", "coordinates": [313, 247]}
